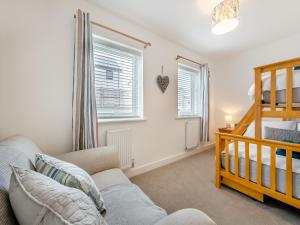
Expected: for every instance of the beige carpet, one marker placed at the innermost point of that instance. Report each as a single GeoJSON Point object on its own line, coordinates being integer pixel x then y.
{"type": "Point", "coordinates": [189, 183]}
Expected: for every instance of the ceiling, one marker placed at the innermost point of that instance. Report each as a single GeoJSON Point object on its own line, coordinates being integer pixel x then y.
{"type": "Point", "coordinates": [188, 22]}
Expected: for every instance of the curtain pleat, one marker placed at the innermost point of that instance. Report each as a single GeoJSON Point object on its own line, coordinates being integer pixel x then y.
{"type": "Point", "coordinates": [204, 103]}
{"type": "Point", "coordinates": [85, 127]}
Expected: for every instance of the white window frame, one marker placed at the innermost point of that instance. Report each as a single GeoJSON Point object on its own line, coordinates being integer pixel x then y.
{"type": "Point", "coordinates": [195, 94]}
{"type": "Point", "coordinates": [139, 114]}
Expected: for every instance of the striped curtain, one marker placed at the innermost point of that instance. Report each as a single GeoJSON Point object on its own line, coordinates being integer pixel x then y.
{"type": "Point", "coordinates": [84, 99]}
{"type": "Point", "coordinates": [204, 103]}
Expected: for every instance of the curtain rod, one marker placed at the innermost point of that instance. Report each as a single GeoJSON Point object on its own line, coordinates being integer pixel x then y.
{"type": "Point", "coordinates": [181, 57]}
{"type": "Point", "coordinates": [146, 44]}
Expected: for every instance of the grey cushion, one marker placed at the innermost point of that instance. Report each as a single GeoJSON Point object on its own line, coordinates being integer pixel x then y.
{"type": "Point", "coordinates": [18, 151]}
{"type": "Point", "coordinates": [282, 135]}
{"type": "Point", "coordinates": [126, 204]}
{"type": "Point", "coordinates": [109, 178]}
{"type": "Point", "coordinates": [39, 200]}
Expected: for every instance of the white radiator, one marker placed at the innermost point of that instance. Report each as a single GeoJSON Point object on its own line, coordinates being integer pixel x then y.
{"type": "Point", "coordinates": [121, 140]}
{"type": "Point", "coordinates": [192, 134]}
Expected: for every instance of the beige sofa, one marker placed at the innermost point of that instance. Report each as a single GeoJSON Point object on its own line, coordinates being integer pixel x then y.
{"type": "Point", "coordinates": [126, 204]}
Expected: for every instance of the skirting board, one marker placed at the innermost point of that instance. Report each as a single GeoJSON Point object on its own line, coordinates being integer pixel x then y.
{"type": "Point", "coordinates": [162, 162]}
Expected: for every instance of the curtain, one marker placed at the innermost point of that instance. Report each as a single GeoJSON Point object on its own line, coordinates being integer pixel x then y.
{"type": "Point", "coordinates": [204, 103]}
{"type": "Point", "coordinates": [84, 98]}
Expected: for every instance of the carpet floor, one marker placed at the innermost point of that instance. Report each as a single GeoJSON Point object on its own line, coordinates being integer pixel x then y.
{"type": "Point", "coordinates": [189, 183]}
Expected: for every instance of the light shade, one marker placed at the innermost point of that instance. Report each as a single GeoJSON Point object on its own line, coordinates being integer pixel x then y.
{"type": "Point", "coordinates": [225, 16]}
{"type": "Point", "coordinates": [228, 120]}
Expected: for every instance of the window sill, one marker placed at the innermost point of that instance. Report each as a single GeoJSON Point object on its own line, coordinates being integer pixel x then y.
{"type": "Point", "coordinates": [187, 117]}
{"type": "Point", "coordinates": [122, 120]}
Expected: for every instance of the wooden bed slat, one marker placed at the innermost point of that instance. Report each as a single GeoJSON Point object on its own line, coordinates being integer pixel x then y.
{"type": "Point", "coordinates": [258, 162]}
{"type": "Point", "coordinates": [273, 90]}
{"type": "Point", "coordinates": [282, 114]}
{"type": "Point", "coordinates": [289, 179]}
{"type": "Point", "coordinates": [280, 65]}
{"type": "Point", "coordinates": [289, 89]}
{"type": "Point", "coordinates": [247, 162]}
{"type": "Point", "coordinates": [273, 168]}
{"type": "Point", "coordinates": [227, 156]}
{"type": "Point", "coordinates": [236, 158]}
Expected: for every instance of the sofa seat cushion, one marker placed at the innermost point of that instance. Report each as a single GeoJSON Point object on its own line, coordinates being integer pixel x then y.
{"type": "Point", "coordinates": [126, 204]}
{"type": "Point", "coordinates": [109, 178]}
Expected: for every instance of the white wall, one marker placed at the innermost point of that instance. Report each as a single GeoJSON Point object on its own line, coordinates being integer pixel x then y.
{"type": "Point", "coordinates": [234, 75]}
{"type": "Point", "coordinates": [36, 78]}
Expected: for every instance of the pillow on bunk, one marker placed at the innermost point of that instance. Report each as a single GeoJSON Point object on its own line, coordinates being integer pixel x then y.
{"type": "Point", "coordinates": [287, 125]}
{"type": "Point", "coordinates": [289, 136]}
{"type": "Point", "coordinates": [295, 155]}
{"type": "Point", "coordinates": [282, 152]}
{"type": "Point", "coordinates": [285, 135]}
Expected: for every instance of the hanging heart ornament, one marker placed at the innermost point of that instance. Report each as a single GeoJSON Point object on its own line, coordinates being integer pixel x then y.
{"type": "Point", "coordinates": [163, 82]}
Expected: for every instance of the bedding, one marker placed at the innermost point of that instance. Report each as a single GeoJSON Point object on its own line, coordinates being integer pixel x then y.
{"type": "Point", "coordinates": [292, 136]}
{"type": "Point", "coordinates": [280, 167]}
{"type": "Point", "coordinates": [287, 125]}
{"type": "Point", "coordinates": [280, 83]}
{"type": "Point", "coordinates": [281, 96]}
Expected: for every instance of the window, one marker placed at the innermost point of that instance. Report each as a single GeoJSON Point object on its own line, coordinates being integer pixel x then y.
{"type": "Point", "coordinates": [188, 91]}
{"type": "Point", "coordinates": [118, 75]}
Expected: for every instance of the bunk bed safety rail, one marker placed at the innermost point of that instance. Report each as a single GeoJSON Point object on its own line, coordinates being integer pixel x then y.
{"type": "Point", "coordinates": [244, 184]}
{"type": "Point", "coordinates": [289, 112]}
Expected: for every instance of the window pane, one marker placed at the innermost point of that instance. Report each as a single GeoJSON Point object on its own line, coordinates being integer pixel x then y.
{"type": "Point", "coordinates": [116, 80]}
{"type": "Point", "coordinates": [188, 89]}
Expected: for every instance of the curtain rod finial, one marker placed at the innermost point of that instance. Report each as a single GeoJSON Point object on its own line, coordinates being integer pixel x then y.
{"type": "Point", "coordinates": [147, 44]}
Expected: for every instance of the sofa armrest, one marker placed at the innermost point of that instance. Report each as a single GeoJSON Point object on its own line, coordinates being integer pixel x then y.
{"type": "Point", "coordinates": [186, 217]}
{"type": "Point", "coordinates": [93, 160]}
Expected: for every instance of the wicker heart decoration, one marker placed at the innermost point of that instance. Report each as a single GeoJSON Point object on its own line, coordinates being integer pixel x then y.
{"type": "Point", "coordinates": [163, 82]}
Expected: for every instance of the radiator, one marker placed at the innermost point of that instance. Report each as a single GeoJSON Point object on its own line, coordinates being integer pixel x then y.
{"type": "Point", "coordinates": [121, 140]}
{"type": "Point", "coordinates": [192, 134]}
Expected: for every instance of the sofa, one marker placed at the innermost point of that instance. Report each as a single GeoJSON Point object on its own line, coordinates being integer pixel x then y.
{"type": "Point", "coordinates": [126, 204]}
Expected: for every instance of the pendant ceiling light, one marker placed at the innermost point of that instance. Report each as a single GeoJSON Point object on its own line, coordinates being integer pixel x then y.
{"type": "Point", "coordinates": [225, 16]}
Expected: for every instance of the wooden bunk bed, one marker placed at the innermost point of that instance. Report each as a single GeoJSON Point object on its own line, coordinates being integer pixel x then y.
{"type": "Point", "coordinates": [240, 178]}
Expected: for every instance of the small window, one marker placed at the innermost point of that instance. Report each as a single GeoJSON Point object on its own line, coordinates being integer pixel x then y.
{"type": "Point", "coordinates": [118, 80]}
{"type": "Point", "coordinates": [188, 91]}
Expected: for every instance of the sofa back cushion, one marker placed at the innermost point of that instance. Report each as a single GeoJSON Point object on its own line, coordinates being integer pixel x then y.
{"type": "Point", "coordinates": [18, 151]}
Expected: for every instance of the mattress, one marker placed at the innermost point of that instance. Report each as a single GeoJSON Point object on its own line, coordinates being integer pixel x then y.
{"type": "Point", "coordinates": [280, 168]}
{"type": "Point", "coordinates": [281, 96]}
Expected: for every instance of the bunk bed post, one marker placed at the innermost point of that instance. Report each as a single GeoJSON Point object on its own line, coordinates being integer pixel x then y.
{"type": "Point", "coordinates": [218, 161]}
{"type": "Point", "coordinates": [258, 105]}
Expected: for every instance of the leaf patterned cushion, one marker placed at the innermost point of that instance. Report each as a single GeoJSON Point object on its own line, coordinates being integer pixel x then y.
{"type": "Point", "coordinates": [39, 200]}
{"type": "Point", "coordinates": [70, 175]}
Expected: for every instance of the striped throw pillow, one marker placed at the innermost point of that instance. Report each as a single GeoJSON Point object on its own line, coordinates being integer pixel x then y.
{"type": "Point", "coordinates": [70, 175]}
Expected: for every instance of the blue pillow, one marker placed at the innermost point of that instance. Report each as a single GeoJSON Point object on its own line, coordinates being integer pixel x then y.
{"type": "Point", "coordinates": [282, 152]}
